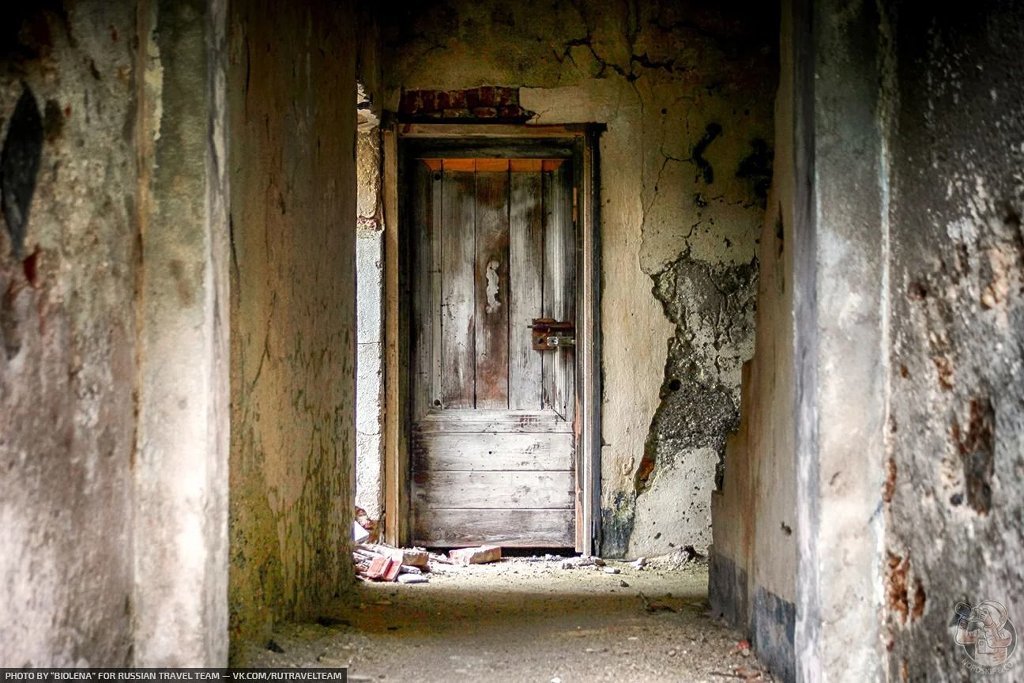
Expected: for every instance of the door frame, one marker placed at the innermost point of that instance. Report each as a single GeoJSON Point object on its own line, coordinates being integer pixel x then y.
{"type": "Point", "coordinates": [581, 140]}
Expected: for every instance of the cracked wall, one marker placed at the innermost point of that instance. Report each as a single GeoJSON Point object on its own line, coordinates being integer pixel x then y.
{"type": "Point", "coordinates": [685, 90]}
{"type": "Point", "coordinates": [752, 579]}
{"type": "Point", "coordinates": [293, 212]}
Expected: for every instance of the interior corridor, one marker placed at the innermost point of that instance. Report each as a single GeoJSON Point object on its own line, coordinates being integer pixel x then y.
{"type": "Point", "coordinates": [617, 277]}
{"type": "Point", "coordinates": [524, 619]}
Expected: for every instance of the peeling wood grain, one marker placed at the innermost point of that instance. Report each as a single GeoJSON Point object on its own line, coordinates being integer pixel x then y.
{"type": "Point", "coordinates": [484, 421]}
{"type": "Point", "coordinates": [492, 427]}
{"type": "Point", "coordinates": [504, 490]}
{"type": "Point", "coordinates": [559, 287]}
{"type": "Point", "coordinates": [543, 528]}
{"type": "Point", "coordinates": [526, 254]}
{"type": "Point", "coordinates": [424, 312]}
{"type": "Point", "coordinates": [458, 326]}
{"type": "Point", "coordinates": [448, 451]}
{"type": "Point", "coordinates": [492, 286]}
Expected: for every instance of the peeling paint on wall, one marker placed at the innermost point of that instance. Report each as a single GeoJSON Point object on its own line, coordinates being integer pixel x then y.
{"type": "Point", "coordinates": [293, 313]}
{"type": "Point", "coordinates": [684, 89]}
{"type": "Point", "coordinates": [712, 308]}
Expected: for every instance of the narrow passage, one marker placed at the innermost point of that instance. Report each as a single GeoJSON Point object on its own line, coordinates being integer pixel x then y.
{"type": "Point", "coordinates": [524, 619]}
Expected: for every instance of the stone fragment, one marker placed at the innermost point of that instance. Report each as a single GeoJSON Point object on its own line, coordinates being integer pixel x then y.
{"type": "Point", "coordinates": [412, 578]}
{"type": "Point", "coordinates": [612, 570]}
{"type": "Point", "coordinates": [479, 555]}
{"type": "Point", "coordinates": [574, 562]}
{"type": "Point", "coordinates": [412, 557]}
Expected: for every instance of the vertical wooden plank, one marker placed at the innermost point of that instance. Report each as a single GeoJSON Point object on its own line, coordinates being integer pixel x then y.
{"type": "Point", "coordinates": [395, 503]}
{"type": "Point", "coordinates": [436, 223]}
{"type": "Point", "coordinates": [588, 352]}
{"type": "Point", "coordinates": [458, 255]}
{"type": "Point", "coordinates": [422, 235]}
{"type": "Point", "coordinates": [559, 286]}
{"type": "Point", "coordinates": [492, 289]}
{"type": "Point", "coordinates": [526, 258]}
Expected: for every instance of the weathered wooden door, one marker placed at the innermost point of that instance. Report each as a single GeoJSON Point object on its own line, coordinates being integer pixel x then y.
{"type": "Point", "coordinates": [493, 439]}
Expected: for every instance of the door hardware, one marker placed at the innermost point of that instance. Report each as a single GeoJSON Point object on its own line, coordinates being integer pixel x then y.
{"type": "Point", "coordinates": [550, 334]}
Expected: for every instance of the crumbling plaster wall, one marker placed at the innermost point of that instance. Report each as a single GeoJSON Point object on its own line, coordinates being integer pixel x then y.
{"type": "Point", "coordinates": [293, 210]}
{"type": "Point", "coordinates": [370, 323]}
{"type": "Point", "coordinates": [68, 358]}
{"type": "Point", "coordinates": [369, 473]}
{"type": "Point", "coordinates": [113, 377]}
{"type": "Point", "coordinates": [180, 465]}
{"type": "Point", "coordinates": [954, 495]}
{"type": "Point", "coordinates": [753, 562]}
{"type": "Point", "coordinates": [685, 90]}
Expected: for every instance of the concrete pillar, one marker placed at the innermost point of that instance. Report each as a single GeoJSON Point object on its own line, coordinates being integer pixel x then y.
{"type": "Point", "coordinates": [840, 269]}
{"type": "Point", "coordinates": [180, 592]}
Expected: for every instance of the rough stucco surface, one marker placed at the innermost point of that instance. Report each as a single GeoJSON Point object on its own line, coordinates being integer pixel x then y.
{"type": "Point", "coordinates": [370, 377]}
{"type": "Point", "coordinates": [685, 90]}
{"type": "Point", "coordinates": [840, 335]}
{"type": "Point", "coordinates": [369, 325]}
{"type": "Point", "coordinates": [754, 555]}
{"type": "Point", "coordinates": [955, 489]}
{"type": "Point", "coordinates": [293, 209]}
{"type": "Point", "coordinates": [180, 539]}
{"type": "Point", "coordinates": [67, 358]}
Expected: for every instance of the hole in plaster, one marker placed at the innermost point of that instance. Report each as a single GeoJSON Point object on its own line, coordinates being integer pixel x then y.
{"type": "Point", "coordinates": [975, 440]}
{"type": "Point", "coordinates": [675, 385]}
{"type": "Point", "coordinates": [31, 267]}
{"type": "Point", "coordinates": [920, 598]}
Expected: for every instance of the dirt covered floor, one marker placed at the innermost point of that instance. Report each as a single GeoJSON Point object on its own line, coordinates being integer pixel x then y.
{"type": "Point", "coordinates": [523, 619]}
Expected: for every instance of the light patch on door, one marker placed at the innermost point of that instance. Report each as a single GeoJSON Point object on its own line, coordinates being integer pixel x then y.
{"type": "Point", "coordinates": [492, 287]}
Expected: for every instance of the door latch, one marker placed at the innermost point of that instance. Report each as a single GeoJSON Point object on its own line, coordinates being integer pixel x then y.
{"type": "Point", "coordinates": [550, 334]}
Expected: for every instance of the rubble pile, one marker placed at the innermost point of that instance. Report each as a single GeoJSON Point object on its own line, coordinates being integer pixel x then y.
{"type": "Point", "coordinates": [381, 562]}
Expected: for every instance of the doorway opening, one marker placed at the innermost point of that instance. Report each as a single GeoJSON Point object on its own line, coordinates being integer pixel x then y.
{"type": "Point", "coordinates": [496, 351]}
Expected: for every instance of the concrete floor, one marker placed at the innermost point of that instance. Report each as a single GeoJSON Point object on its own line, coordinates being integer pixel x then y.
{"type": "Point", "coordinates": [522, 620]}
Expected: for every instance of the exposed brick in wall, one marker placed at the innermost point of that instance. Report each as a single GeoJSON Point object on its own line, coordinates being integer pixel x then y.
{"type": "Point", "coordinates": [490, 103]}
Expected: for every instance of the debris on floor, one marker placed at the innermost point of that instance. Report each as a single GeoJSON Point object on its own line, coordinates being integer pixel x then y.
{"type": "Point", "coordinates": [379, 562]}
{"type": "Point", "coordinates": [479, 555]}
{"type": "Point", "coordinates": [654, 606]}
{"type": "Point", "coordinates": [676, 559]}
{"type": "Point", "coordinates": [590, 561]}
{"type": "Point", "coordinates": [412, 578]}
{"type": "Point", "coordinates": [577, 624]}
